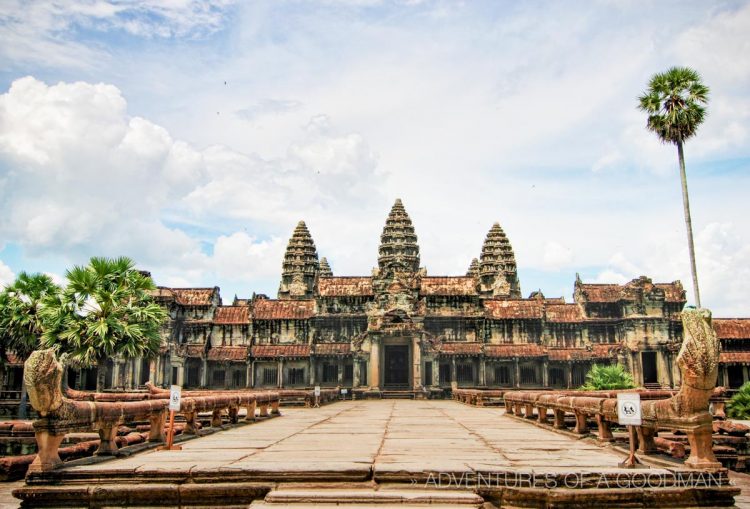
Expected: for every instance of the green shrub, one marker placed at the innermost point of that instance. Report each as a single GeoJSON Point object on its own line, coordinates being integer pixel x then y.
{"type": "Point", "coordinates": [606, 378]}
{"type": "Point", "coordinates": [739, 406]}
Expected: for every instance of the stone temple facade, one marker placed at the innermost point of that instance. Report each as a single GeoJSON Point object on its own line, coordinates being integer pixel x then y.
{"type": "Point", "coordinates": [400, 329]}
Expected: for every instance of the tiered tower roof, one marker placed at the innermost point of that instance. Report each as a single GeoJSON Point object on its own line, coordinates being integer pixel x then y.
{"type": "Point", "coordinates": [398, 243]}
{"type": "Point", "coordinates": [325, 269]}
{"type": "Point", "coordinates": [301, 256]}
{"type": "Point", "coordinates": [473, 268]}
{"type": "Point", "coordinates": [497, 259]}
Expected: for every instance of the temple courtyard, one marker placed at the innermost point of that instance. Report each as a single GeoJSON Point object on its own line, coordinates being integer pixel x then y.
{"type": "Point", "coordinates": [433, 452]}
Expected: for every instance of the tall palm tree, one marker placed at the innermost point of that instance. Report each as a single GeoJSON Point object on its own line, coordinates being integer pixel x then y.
{"type": "Point", "coordinates": [105, 311]}
{"type": "Point", "coordinates": [21, 318]}
{"type": "Point", "coordinates": [675, 102]}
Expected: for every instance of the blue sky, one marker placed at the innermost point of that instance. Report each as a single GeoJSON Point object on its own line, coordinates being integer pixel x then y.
{"type": "Point", "coordinates": [193, 136]}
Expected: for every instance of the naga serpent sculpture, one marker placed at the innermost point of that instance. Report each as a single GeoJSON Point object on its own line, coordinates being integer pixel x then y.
{"type": "Point", "coordinates": [687, 410]}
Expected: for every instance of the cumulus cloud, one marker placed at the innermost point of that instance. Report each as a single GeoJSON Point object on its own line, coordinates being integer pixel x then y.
{"type": "Point", "coordinates": [79, 176]}
{"type": "Point", "coordinates": [723, 259]}
{"type": "Point", "coordinates": [6, 275]}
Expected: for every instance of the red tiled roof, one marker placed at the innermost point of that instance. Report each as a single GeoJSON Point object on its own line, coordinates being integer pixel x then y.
{"type": "Point", "coordinates": [513, 309]}
{"type": "Point", "coordinates": [280, 351]}
{"type": "Point", "coordinates": [604, 351]}
{"type": "Point", "coordinates": [673, 292]}
{"type": "Point", "coordinates": [563, 313]}
{"type": "Point", "coordinates": [162, 293]}
{"type": "Point", "coordinates": [344, 286]}
{"type": "Point", "coordinates": [595, 292]}
{"type": "Point", "coordinates": [460, 348]}
{"type": "Point", "coordinates": [227, 353]}
{"type": "Point", "coordinates": [194, 296]}
{"type": "Point", "coordinates": [601, 292]}
{"type": "Point", "coordinates": [267, 309]}
{"type": "Point", "coordinates": [232, 315]}
{"type": "Point", "coordinates": [569, 354]}
{"type": "Point", "coordinates": [453, 285]}
{"type": "Point", "coordinates": [731, 357]}
{"type": "Point", "coordinates": [191, 350]}
{"type": "Point", "coordinates": [732, 328]}
{"type": "Point", "coordinates": [511, 350]}
{"type": "Point", "coordinates": [332, 349]}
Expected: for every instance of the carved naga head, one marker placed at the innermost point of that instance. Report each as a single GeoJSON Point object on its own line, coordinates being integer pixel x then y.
{"type": "Point", "coordinates": [43, 376]}
{"type": "Point", "coordinates": [699, 356]}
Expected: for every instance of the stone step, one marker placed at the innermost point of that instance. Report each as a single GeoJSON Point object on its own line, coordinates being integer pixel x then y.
{"type": "Point", "coordinates": [363, 496]}
{"type": "Point", "coordinates": [259, 504]}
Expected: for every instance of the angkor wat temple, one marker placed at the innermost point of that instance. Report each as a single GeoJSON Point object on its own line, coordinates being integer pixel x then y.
{"type": "Point", "coordinates": [402, 330]}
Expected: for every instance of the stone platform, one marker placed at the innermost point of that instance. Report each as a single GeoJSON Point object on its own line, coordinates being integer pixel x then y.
{"type": "Point", "coordinates": [384, 452]}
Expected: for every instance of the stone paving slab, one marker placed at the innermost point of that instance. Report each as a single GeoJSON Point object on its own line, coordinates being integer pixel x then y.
{"type": "Point", "coordinates": [382, 436]}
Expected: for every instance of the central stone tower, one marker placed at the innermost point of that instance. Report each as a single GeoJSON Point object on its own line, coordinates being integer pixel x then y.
{"type": "Point", "coordinates": [398, 251]}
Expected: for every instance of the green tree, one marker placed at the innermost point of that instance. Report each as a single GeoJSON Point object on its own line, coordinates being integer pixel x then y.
{"type": "Point", "coordinates": [675, 102]}
{"type": "Point", "coordinates": [105, 311]}
{"type": "Point", "coordinates": [607, 378]}
{"type": "Point", "coordinates": [739, 405]}
{"type": "Point", "coordinates": [21, 322]}
{"type": "Point", "coordinates": [21, 318]}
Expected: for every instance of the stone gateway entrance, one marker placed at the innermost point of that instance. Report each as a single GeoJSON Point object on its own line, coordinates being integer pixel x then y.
{"type": "Point", "coordinates": [396, 367]}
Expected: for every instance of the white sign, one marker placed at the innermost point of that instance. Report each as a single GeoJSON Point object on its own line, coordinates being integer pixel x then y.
{"type": "Point", "coordinates": [174, 398]}
{"type": "Point", "coordinates": [629, 408]}
{"type": "Point", "coordinates": [344, 391]}
{"type": "Point", "coordinates": [317, 390]}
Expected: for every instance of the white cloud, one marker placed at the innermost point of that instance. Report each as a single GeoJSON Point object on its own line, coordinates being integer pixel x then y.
{"type": "Point", "coordinates": [723, 259]}
{"type": "Point", "coordinates": [469, 112]}
{"type": "Point", "coordinates": [42, 32]}
{"type": "Point", "coordinates": [6, 275]}
{"type": "Point", "coordinates": [556, 255]}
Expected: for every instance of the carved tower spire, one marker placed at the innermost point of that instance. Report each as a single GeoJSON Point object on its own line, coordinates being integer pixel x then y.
{"type": "Point", "coordinates": [325, 269]}
{"type": "Point", "coordinates": [473, 268]}
{"type": "Point", "coordinates": [398, 243]}
{"type": "Point", "coordinates": [497, 266]}
{"type": "Point", "coordinates": [300, 266]}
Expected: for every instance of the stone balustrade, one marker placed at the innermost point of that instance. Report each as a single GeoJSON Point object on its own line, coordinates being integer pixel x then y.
{"type": "Point", "coordinates": [478, 397]}
{"type": "Point", "coordinates": [61, 415]}
{"type": "Point", "coordinates": [686, 411]}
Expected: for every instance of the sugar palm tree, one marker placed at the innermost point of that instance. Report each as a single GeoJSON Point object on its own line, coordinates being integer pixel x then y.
{"type": "Point", "coordinates": [105, 311]}
{"type": "Point", "coordinates": [675, 102]}
{"type": "Point", "coordinates": [21, 320]}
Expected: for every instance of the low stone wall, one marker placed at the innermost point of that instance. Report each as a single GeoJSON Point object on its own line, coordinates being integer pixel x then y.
{"type": "Point", "coordinates": [685, 411]}
{"type": "Point", "coordinates": [61, 415]}
{"type": "Point", "coordinates": [479, 397]}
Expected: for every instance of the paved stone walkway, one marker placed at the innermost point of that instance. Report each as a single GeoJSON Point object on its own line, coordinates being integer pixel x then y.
{"type": "Point", "coordinates": [384, 436]}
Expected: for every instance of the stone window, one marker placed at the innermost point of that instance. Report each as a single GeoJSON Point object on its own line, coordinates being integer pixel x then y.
{"type": "Point", "coordinates": [557, 377]}
{"type": "Point", "coordinates": [330, 373]}
{"type": "Point", "coordinates": [239, 378]}
{"type": "Point", "coordinates": [295, 376]}
{"type": "Point", "coordinates": [528, 375]}
{"type": "Point", "coordinates": [579, 375]}
{"type": "Point", "coordinates": [348, 373]}
{"type": "Point", "coordinates": [465, 373]}
{"type": "Point", "coordinates": [217, 378]}
{"type": "Point", "coordinates": [428, 373]}
{"type": "Point", "coordinates": [445, 373]}
{"type": "Point", "coordinates": [270, 376]}
{"type": "Point", "coordinates": [502, 375]}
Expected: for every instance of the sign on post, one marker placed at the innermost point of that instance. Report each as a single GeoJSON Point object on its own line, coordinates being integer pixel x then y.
{"type": "Point", "coordinates": [316, 392]}
{"type": "Point", "coordinates": [629, 408]}
{"type": "Point", "coordinates": [174, 406]}
{"type": "Point", "coordinates": [174, 398]}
